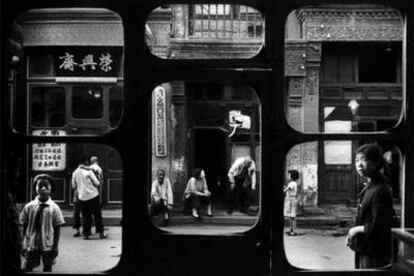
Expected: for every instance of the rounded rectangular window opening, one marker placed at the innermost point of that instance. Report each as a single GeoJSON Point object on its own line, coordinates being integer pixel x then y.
{"type": "Point", "coordinates": [206, 158]}
{"type": "Point", "coordinates": [204, 31]}
{"type": "Point", "coordinates": [84, 179]}
{"type": "Point", "coordinates": [343, 75]}
{"type": "Point", "coordinates": [65, 71]}
{"type": "Point", "coordinates": [329, 190]}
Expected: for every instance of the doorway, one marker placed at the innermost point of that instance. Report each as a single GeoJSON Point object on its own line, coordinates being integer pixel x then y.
{"type": "Point", "coordinates": [210, 155]}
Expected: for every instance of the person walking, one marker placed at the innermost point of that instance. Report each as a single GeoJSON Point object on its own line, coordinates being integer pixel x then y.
{"type": "Point", "coordinates": [86, 184]}
{"type": "Point", "coordinates": [370, 238]}
{"type": "Point", "coordinates": [161, 196]}
{"type": "Point", "coordinates": [290, 206]}
{"type": "Point", "coordinates": [41, 219]}
{"type": "Point", "coordinates": [197, 193]}
{"type": "Point", "coordinates": [242, 177]}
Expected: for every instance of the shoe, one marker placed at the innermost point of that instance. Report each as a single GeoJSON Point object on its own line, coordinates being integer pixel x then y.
{"type": "Point", "coordinates": [230, 211]}
{"type": "Point", "coordinates": [196, 217]}
{"type": "Point", "coordinates": [103, 235]}
{"type": "Point", "coordinates": [210, 215]}
{"type": "Point", "coordinates": [86, 237]}
{"type": "Point", "coordinates": [166, 222]}
{"type": "Point", "coordinates": [77, 234]}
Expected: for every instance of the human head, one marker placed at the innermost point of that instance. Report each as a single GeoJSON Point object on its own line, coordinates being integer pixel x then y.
{"type": "Point", "coordinates": [83, 160]}
{"type": "Point", "coordinates": [248, 161]}
{"type": "Point", "coordinates": [198, 173]}
{"type": "Point", "coordinates": [293, 174]}
{"type": "Point", "coordinates": [160, 175]}
{"type": "Point", "coordinates": [93, 159]}
{"type": "Point", "coordinates": [369, 160]}
{"type": "Point", "coordinates": [43, 184]}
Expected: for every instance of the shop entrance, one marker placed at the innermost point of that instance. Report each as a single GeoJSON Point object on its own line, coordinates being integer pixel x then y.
{"type": "Point", "coordinates": [210, 155]}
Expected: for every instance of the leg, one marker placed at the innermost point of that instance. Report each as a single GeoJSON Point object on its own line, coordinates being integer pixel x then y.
{"type": "Point", "coordinates": [206, 200]}
{"type": "Point", "coordinates": [32, 260]}
{"type": "Point", "coordinates": [48, 261]}
{"type": "Point", "coordinates": [76, 218]}
{"type": "Point", "coordinates": [195, 205]}
{"type": "Point", "coordinates": [86, 218]}
{"type": "Point", "coordinates": [97, 216]}
{"type": "Point", "coordinates": [243, 199]}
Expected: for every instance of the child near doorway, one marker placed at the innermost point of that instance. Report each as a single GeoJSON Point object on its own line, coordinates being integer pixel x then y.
{"type": "Point", "coordinates": [41, 219]}
{"type": "Point", "coordinates": [291, 190]}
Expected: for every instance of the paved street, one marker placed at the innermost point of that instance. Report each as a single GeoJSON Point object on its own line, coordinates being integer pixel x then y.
{"type": "Point", "coordinates": [315, 249]}
{"type": "Point", "coordinates": [94, 255]}
{"type": "Point", "coordinates": [318, 249]}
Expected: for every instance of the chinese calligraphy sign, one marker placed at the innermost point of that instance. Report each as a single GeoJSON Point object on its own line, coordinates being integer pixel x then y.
{"type": "Point", "coordinates": [49, 156]}
{"type": "Point", "coordinates": [88, 61]}
{"type": "Point", "coordinates": [160, 122]}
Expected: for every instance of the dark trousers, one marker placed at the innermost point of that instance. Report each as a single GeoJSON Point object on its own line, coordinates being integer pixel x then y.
{"type": "Point", "coordinates": [91, 208]}
{"type": "Point", "coordinates": [76, 215]}
{"type": "Point", "coordinates": [157, 208]}
{"type": "Point", "coordinates": [240, 195]}
{"type": "Point", "coordinates": [195, 201]}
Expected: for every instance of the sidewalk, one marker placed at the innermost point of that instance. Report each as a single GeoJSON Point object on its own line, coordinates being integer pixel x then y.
{"type": "Point", "coordinates": [322, 217]}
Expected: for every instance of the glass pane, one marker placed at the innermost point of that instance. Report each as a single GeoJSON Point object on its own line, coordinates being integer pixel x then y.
{"type": "Point", "coordinates": [116, 104]}
{"type": "Point", "coordinates": [322, 199]}
{"type": "Point", "coordinates": [65, 167]}
{"type": "Point", "coordinates": [198, 150]}
{"type": "Point", "coordinates": [48, 106]}
{"type": "Point", "coordinates": [203, 31]}
{"type": "Point", "coordinates": [87, 102]}
{"type": "Point", "coordinates": [41, 66]}
{"type": "Point", "coordinates": [345, 71]}
{"type": "Point", "coordinates": [75, 50]}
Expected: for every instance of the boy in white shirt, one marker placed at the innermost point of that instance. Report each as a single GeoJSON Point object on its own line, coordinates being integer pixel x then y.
{"type": "Point", "coordinates": [41, 219]}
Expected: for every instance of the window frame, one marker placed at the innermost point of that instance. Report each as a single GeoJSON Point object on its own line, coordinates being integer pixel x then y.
{"type": "Point", "coordinates": [143, 71]}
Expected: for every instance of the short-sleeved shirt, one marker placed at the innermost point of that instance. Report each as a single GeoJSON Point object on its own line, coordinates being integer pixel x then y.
{"type": "Point", "coordinates": [85, 182]}
{"type": "Point", "coordinates": [162, 191]}
{"type": "Point", "coordinates": [52, 217]}
{"type": "Point", "coordinates": [292, 189]}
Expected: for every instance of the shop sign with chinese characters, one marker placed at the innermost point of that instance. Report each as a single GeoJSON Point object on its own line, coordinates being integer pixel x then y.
{"type": "Point", "coordinates": [87, 61]}
{"type": "Point", "coordinates": [160, 122]}
{"type": "Point", "coordinates": [49, 156]}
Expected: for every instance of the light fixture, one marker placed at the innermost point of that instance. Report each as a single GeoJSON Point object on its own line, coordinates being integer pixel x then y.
{"type": "Point", "coordinates": [353, 105]}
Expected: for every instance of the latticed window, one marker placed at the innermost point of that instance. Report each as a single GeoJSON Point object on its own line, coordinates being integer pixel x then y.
{"type": "Point", "coordinates": [224, 21]}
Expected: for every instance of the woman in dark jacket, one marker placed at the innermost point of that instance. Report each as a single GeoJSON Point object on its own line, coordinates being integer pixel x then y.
{"type": "Point", "coordinates": [370, 238]}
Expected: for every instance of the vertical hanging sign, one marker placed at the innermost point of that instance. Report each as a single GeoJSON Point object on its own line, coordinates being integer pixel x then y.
{"type": "Point", "coordinates": [160, 122]}
{"type": "Point", "coordinates": [49, 156]}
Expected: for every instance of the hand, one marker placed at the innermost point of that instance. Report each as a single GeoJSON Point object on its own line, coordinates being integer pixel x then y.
{"type": "Point", "coordinates": [253, 187]}
{"type": "Point", "coordinates": [169, 207]}
{"type": "Point", "coordinates": [208, 193]}
{"type": "Point", "coordinates": [232, 185]}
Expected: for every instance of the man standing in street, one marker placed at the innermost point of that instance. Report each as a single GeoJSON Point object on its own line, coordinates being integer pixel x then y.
{"type": "Point", "coordinates": [242, 177]}
{"type": "Point", "coordinates": [87, 185]}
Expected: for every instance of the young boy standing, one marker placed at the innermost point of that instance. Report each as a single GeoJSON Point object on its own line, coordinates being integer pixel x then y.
{"type": "Point", "coordinates": [41, 219]}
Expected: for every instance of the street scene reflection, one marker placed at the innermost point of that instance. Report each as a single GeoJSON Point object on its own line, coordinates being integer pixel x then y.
{"type": "Point", "coordinates": [65, 209]}
{"type": "Point", "coordinates": [343, 73]}
{"type": "Point", "coordinates": [204, 31]}
{"type": "Point", "coordinates": [205, 157]}
{"type": "Point", "coordinates": [64, 199]}
{"type": "Point", "coordinates": [323, 190]}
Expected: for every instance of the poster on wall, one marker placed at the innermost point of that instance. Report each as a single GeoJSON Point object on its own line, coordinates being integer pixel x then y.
{"type": "Point", "coordinates": [49, 156]}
